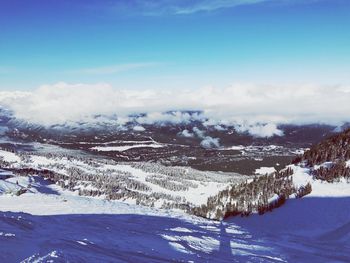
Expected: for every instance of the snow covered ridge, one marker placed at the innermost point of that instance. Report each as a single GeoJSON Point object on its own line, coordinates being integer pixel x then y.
{"type": "Point", "coordinates": [211, 195]}
{"type": "Point", "coordinates": [264, 193]}
{"type": "Point", "coordinates": [329, 159]}
{"type": "Point", "coordinates": [136, 183]}
{"type": "Point", "coordinates": [322, 171]}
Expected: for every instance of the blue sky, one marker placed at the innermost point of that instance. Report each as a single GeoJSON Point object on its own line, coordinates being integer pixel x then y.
{"type": "Point", "coordinates": [173, 43]}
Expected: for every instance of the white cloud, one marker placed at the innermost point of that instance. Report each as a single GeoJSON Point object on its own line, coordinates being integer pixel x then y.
{"type": "Point", "coordinates": [186, 133]}
{"type": "Point", "coordinates": [219, 128]}
{"type": "Point", "coordinates": [209, 142]}
{"type": "Point", "coordinates": [172, 117]}
{"type": "Point", "coordinates": [260, 130]}
{"type": "Point", "coordinates": [138, 128]}
{"type": "Point", "coordinates": [253, 108]}
{"type": "Point", "coordinates": [198, 132]}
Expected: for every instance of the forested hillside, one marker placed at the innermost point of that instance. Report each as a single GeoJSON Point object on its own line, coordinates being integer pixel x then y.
{"type": "Point", "coordinates": [329, 158]}
{"type": "Point", "coordinates": [328, 161]}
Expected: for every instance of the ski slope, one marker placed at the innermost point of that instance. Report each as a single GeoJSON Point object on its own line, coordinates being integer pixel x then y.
{"type": "Point", "coordinates": [48, 224]}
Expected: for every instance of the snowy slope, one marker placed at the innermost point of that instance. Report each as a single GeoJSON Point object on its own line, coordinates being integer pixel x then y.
{"type": "Point", "coordinates": [61, 226]}
{"type": "Point", "coordinates": [320, 188]}
{"type": "Point", "coordinates": [315, 228]}
{"type": "Point", "coordinates": [49, 224]}
{"type": "Point", "coordinates": [146, 183]}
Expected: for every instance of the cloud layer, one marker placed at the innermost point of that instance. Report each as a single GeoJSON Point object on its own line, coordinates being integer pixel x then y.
{"type": "Point", "coordinates": [253, 108]}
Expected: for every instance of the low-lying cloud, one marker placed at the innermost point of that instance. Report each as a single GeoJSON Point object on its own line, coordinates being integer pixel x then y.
{"type": "Point", "coordinates": [206, 141]}
{"type": "Point", "coordinates": [249, 108]}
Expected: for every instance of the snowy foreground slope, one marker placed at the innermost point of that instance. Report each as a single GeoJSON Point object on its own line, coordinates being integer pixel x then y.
{"type": "Point", "coordinates": [63, 226]}
{"type": "Point", "coordinates": [49, 223]}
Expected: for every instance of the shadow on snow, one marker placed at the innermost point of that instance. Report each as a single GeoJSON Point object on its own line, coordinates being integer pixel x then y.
{"type": "Point", "coordinates": [304, 230]}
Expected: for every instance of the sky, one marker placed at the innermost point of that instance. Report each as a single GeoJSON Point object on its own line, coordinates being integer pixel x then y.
{"type": "Point", "coordinates": [253, 64]}
{"type": "Point", "coordinates": [173, 44]}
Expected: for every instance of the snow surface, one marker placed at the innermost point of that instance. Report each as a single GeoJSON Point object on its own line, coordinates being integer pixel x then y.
{"type": "Point", "coordinates": [124, 147]}
{"type": "Point", "coordinates": [320, 188]}
{"type": "Point", "coordinates": [265, 170]}
{"type": "Point", "coordinates": [119, 141]}
{"type": "Point", "coordinates": [48, 224]}
{"type": "Point", "coordinates": [348, 164]}
{"type": "Point", "coordinates": [9, 156]}
{"type": "Point", "coordinates": [208, 183]}
{"type": "Point", "coordinates": [245, 150]}
{"type": "Point", "coordinates": [60, 226]}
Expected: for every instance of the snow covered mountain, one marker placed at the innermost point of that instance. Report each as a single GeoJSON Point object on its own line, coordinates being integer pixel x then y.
{"type": "Point", "coordinates": [50, 188]}
{"type": "Point", "coordinates": [60, 226]}
{"type": "Point", "coordinates": [213, 195]}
